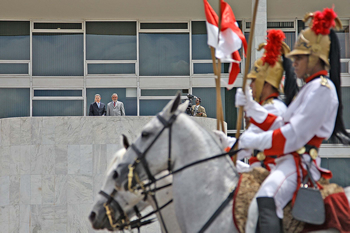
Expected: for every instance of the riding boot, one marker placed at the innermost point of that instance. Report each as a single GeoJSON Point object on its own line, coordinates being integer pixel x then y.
{"type": "Point", "coordinates": [268, 220]}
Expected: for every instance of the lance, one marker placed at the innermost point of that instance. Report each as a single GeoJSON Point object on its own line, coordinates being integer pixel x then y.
{"type": "Point", "coordinates": [240, 110]}
{"type": "Point", "coordinates": [217, 72]}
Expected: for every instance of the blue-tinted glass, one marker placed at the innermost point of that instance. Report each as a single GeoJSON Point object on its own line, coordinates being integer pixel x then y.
{"type": "Point", "coordinates": [14, 40]}
{"type": "Point", "coordinates": [17, 101]}
{"type": "Point", "coordinates": [344, 67]}
{"type": "Point", "coordinates": [130, 103]}
{"type": "Point", "coordinates": [208, 96]}
{"type": "Point", "coordinates": [152, 107]}
{"type": "Point", "coordinates": [13, 68]}
{"type": "Point", "coordinates": [207, 68]}
{"type": "Point", "coordinates": [58, 107]}
{"type": "Point", "coordinates": [345, 93]}
{"type": "Point", "coordinates": [164, 54]}
{"type": "Point", "coordinates": [340, 169]}
{"type": "Point", "coordinates": [57, 92]}
{"type": "Point", "coordinates": [290, 39]}
{"type": "Point", "coordinates": [200, 48]}
{"type": "Point", "coordinates": [230, 109]}
{"type": "Point", "coordinates": [123, 68]}
{"type": "Point", "coordinates": [163, 92]}
{"type": "Point", "coordinates": [344, 42]}
{"type": "Point", "coordinates": [111, 40]}
{"type": "Point", "coordinates": [58, 55]}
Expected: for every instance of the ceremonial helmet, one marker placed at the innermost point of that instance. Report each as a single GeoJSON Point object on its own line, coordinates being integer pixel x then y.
{"type": "Point", "coordinates": [314, 41]}
{"type": "Point", "coordinates": [269, 68]}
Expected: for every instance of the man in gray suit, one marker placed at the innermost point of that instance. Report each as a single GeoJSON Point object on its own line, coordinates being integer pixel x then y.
{"type": "Point", "coordinates": [115, 108]}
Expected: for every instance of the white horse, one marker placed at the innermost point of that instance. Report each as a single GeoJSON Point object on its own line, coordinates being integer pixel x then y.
{"type": "Point", "coordinates": [197, 191]}
{"type": "Point", "coordinates": [127, 200]}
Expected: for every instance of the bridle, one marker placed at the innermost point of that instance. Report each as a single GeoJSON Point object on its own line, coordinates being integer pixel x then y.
{"type": "Point", "coordinates": [132, 175]}
{"type": "Point", "coordinates": [123, 222]}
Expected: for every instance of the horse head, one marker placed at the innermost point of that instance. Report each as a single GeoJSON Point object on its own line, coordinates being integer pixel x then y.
{"type": "Point", "coordinates": [121, 204]}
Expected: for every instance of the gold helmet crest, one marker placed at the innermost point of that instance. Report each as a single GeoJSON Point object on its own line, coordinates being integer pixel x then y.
{"type": "Point", "coordinates": [269, 67]}
{"type": "Point", "coordinates": [314, 41]}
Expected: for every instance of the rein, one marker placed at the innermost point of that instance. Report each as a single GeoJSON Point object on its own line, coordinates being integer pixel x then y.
{"type": "Point", "coordinates": [141, 158]}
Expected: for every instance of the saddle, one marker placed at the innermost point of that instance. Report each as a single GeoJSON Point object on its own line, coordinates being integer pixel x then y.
{"type": "Point", "coordinates": [249, 185]}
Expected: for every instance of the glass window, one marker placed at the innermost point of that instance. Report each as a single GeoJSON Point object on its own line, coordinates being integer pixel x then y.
{"type": "Point", "coordinates": [207, 68]}
{"type": "Point", "coordinates": [208, 96]}
{"type": "Point", "coordinates": [17, 101]}
{"type": "Point", "coordinates": [163, 26]}
{"type": "Point", "coordinates": [14, 40]}
{"type": "Point", "coordinates": [120, 68]}
{"type": "Point", "coordinates": [57, 26]}
{"type": "Point", "coordinates": [59, 54]}
{"type": "Point", "coordinates": [129, 101]}
{"type": "Point", "coordinates": [164, 54]}
{"type": "Point", "coordinates": [152, 107]}
{"type": "Point", "coordinates": [200, 48]}
{"type": "Point", "coordinates": [13, 68]}
{"type": "Point", "coordinates": [345, 93]}
{"type": "Point", "coordinates": [163, 92]}
{"type": "Point", "coordinates": [58, 107]}
{"type": "Point", "coordinates": [290, 39]}
{"type": "Point", "coordinates": [111, 40]}
{"type": "Point", "coordinates": [58, 93]}
{"type": "Point", "coordinates": [343, 36]}
{"type": "Point", "coordinates": [339, 168]}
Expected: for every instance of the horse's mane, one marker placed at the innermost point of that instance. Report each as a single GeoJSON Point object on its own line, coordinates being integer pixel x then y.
{"type": "Point", "coordinates": [116, 157]}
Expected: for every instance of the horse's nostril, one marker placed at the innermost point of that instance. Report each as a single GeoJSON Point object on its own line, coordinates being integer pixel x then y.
{"type": "Point", "coordinates": [92, 216]}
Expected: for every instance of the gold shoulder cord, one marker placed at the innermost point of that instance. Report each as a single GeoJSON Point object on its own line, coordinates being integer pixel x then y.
{"type": "Point", "coordinates": [268, 101]}
{"type": "Point", "coordinates": [324, 82]}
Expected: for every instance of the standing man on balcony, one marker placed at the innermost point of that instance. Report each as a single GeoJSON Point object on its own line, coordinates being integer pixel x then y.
{"type": "Point", "coordinates": [115, 108]}
{"type": "Point", "coordinates": [97, 108]}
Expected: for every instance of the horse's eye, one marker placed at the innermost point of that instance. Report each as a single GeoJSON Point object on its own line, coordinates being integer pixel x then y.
{"type": "Point", "coordinates": [115, 175]}
{"type": "Point", "coordinates": [145, 134]}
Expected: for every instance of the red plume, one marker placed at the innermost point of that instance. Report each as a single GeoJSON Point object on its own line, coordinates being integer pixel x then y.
{"type": "Point", "coordinates": [273, 47]}
{"type": "Point", "coordinates": [323, 21]}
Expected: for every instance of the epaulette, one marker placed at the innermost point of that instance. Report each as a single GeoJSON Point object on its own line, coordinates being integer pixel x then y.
{"type": "Point", "coordinates": [324, 82]}
{"type": "Point", "coordinates": [268, 101]}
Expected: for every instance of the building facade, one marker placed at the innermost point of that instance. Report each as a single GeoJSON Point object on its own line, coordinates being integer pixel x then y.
{"type": "Point", "coordinates": [56, 55]}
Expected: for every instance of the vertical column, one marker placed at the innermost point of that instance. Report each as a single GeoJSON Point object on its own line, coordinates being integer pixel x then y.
{"type": "Point", "coordinates": [260, 29]}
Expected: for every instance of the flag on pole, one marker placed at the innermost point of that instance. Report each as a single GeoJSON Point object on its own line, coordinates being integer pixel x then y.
{"type": "Point", "coordinates": [230, 40]}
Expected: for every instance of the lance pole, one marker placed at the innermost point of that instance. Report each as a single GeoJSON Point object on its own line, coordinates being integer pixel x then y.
{"type": "Point", "coordinates": [249, 52]}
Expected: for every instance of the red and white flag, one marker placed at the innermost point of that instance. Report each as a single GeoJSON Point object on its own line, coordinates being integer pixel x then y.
{"type": "Point", "coordinates": [230, 40]}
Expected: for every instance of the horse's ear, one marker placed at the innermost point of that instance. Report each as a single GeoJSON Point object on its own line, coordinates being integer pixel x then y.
{"type": "Point", "coordinates": [125, 142]}
{"type": "Point", "coordinates": [176, 103]}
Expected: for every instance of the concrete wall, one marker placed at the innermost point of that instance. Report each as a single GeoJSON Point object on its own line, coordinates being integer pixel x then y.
{"type": "Point", "coordinates": [51, 168]}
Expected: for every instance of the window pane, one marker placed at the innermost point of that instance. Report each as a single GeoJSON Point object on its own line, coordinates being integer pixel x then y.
{"type": "Point", "coordinates": [16, 101]}
{"type": "Point", "coordinates": [57, 26]}
{"type": "Point", "coordinates": [58, 54]}
{"type": "Point", "coordinates": [344, 67]}
{"type": "Point", "coordinates": [164, 26]}
{"type": "Point", "coordinates": [200, 48]}
{"type": "Point", "coordinates": [290, 39]}
{"type": "Point", "coordinates": [344, 41]}
{"type": "Point", "coordinates": [14, 40]}
{"type": "Point", "coordinates": [164, 92]}
{"type": "Point", "coordinates": [58, 107]}
{"type": "Point", "coordinates": [345, 93]}
{"type": "Point", "coordinates": [123, 68]}
{"type": "Point", "coordinates": [207, 68]}
{"type": "Point", "coordinates": [339, 168]}
{"type": "Point", "coordinates": [111, 40]}
{"type": "Point", "coordinates": [164, 54]}
{"type": "Point", "coordinates": [208, 96]}
{"type": "Point", "coordinates": [13, 68]}
{"type": "Point", "coordinates": [152, 107]}
{"type": "Point", "coordinates": [130, 103]}
{"type": "Point", "coordinates": [57, 92]}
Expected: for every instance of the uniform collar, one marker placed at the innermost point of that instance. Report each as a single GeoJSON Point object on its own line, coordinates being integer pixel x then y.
{"type": "Point", "coordinates": [315, 75]}
{"type": "Point", "coordinates": [273, 95]}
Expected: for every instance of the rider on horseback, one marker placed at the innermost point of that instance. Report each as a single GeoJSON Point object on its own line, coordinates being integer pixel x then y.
{"type": "Point", "coordinates": [314, 115]}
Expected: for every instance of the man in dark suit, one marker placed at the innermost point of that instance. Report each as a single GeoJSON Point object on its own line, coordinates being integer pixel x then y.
{"type": "Point", "coordinates": [97, 108]}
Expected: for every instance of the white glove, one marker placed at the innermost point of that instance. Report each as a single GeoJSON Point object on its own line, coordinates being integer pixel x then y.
{"type": "Point", "coordinates": [225, 140]}
{"type": "Point", "coordinates": [261, 141]}
{"type": "Point", "coordinates": [246, 99]}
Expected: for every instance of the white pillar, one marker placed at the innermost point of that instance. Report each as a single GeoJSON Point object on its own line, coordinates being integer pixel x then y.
{"type": "Point", "coordinates": [260, 29]}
